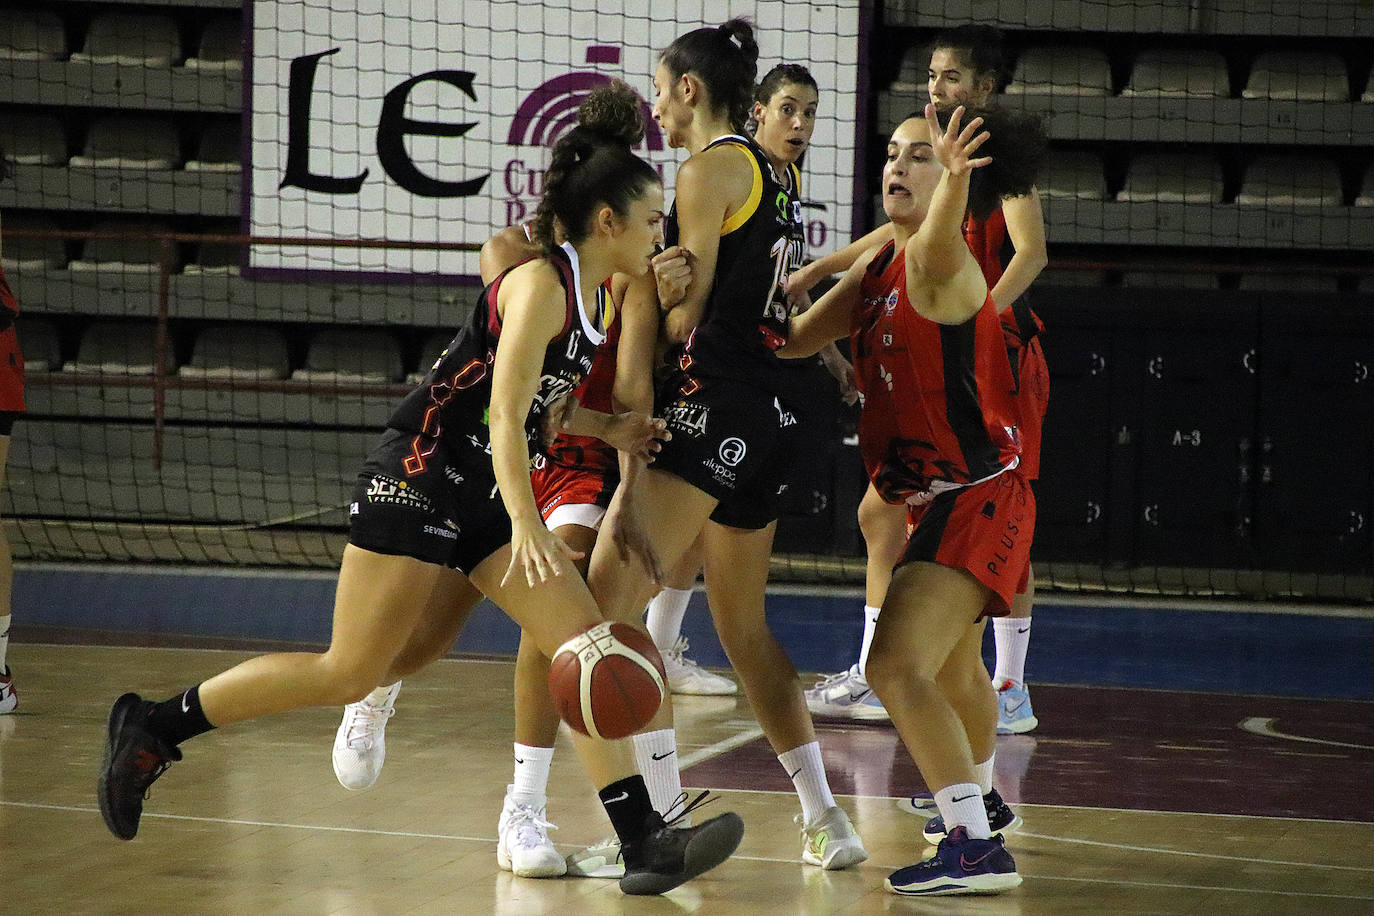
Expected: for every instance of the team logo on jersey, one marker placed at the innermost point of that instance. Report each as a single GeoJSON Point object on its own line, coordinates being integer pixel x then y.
{"type": "Point", "coordinates": [732, 451]}
{"type": "Point", "coordinates": [887, 339]}
{"type": "Point", "coordinates": [452, 476]}
{"type": "Point", "coordinates": [689, 418]}
{"type": "Point", "coordinates": [891, 305]}
{"type": "Point", "coordinates": [785, 417]}
{"type": "Point", "coordinates": [392, 492]}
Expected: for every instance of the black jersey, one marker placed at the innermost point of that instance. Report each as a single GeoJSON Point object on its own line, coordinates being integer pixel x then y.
{"type": "Point", "coordinates": [450, 406]}
{"type": "Point", "coordinates": [746, 316]}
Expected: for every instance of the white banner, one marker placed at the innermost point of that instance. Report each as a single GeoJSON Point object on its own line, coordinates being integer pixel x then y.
{"type": "Point", "coordinates": [430, 120]}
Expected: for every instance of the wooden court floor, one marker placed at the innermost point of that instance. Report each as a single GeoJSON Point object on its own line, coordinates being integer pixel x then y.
{"type": "Point", "coordinates": [253, 821]}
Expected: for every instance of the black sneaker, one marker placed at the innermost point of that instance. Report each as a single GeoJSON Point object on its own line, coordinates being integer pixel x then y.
{"type": "Point", "coordinates": [134, 759]}
{"type": "Point", "coordinates": [1000, 818]}
{"type": "Point", "coordinates": [669, 856]}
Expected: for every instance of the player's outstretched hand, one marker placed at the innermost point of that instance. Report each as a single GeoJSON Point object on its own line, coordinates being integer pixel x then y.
{"type": "Point", "coordinates": [637, 434]}
{"type": "Point", "coordinates": [538, 554]}
{"type": "Point", "coordinates": [673, 274]}
{"type": "Point", "coordinates": [954, 147]}
{"type": "Point", "coordinates": [557, 417]}
{"type": "Point", "coordinates": [629, 536]}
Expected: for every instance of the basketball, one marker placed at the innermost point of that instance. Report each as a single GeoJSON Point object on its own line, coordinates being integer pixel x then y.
{"type": "Point", "coordinates": [607, 681]}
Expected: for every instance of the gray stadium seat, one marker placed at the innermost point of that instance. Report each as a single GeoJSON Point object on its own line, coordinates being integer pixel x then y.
{"type": "Point", "coordinates": [1312, 76]}
{"type": "Point", "coordinates": [119, 348]}
{"type": "Point", "coordinates": [221, 46]}
{"type": "Point", "coordinates": [1062, 70]}
{"type": "Point", "coordinates": [1368, 94]}
{"type": "Point", "coordinates": [218, 149]}
{"type": "Point", "coordinates": [1179, 73]}
{"type": "Point", "coordinates": [913, 72]}
{"type": "Point", "coordinates": [352, 355]}
{"type": "Point", "coordinates": [1291, 181]}
{"type": "Point", "coordinates": [1174, 178]}
{"type": "Point", "coordinates": [1366, 197]}
{"type": "Point", "coordinates": [127, 252]}
{"type": "Point", "coordinates": [32, 34]}
{"type": "Point", "coordinates": [39, 344]}
{"type": "Point", "coordinates": [235, 351]}
{"type": "Point", "coordinates": [216, 259]}
{"type": "Point", "coordinates": [130, 142]}
{"type": "Point", "coordinates": [1075, 174]}
{"type": "Point", "coordinates": [1289, 282]}
{"type": "Point", "coordinates": [34, 139]}
{"type": "Point", "coordinates": [125, 37]}
{"type": "Point", "coordinates": [430, 351]}
{"type": "Point", "coordinates": [1169, 279]}
{"type": "Point", "coordinates": [32, 254]}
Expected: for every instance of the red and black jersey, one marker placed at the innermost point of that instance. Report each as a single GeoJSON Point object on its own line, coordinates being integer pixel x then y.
{"type": "Point", "coordinates": [938, 399]}
{"type": "Point", "coordinates": [993, 250]}
{"type": "Point", "coordinates": [9, 306]}
{"type": "Point", "coordinates": [747, 315]}
{"type": "Point", "coordinates": [11, 359]}
{"type": "Point", "coordinates": [585, 453]}
{"type": "Point", "coordinates": [450, 406]}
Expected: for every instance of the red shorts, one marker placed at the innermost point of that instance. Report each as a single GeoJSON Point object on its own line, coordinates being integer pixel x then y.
{"type": "Point", "coordinates": [557, 487]}
{"type": "Point", "coordinates": [986, 529]}
{"type": "Point", "coordinates": [1032, 400]}
{"type": "Point", "coordinates": [11, 373]}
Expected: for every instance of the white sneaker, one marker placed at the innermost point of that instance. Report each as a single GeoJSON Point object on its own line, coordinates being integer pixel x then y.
{"type": "Point", "coordinates": [831, 841]}
{"type": "Point", "coordinates": [522, 843]}
{"type": "Point", "coordinates": [687, 677]}
{"type": "Point", "coordinates": [9, 700]}
{"type": "Point", "coordinates": [599, 860]}
{"type": "Point", "coordinates": [360, 743]}
{"type": "Point", "coordinates": [846, 696]}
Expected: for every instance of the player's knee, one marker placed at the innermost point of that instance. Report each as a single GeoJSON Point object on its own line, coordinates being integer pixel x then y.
{"type": "Point", "coordinates": [348, 682]}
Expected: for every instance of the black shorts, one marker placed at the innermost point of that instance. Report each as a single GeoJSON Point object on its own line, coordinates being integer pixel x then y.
{"type": "Point", "coordinates": [733, 441]}
{"type": "Point", "coordinates": [450, 514]}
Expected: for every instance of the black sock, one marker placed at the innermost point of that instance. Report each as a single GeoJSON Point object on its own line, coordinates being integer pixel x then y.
{"type": "Point", "coordinates": [179, 718]}
{"type": "Point", "coordinates": [627, 805]}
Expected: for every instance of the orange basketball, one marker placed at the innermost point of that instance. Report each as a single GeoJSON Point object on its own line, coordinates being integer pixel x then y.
{"type": "Point", "coordinates": [607, 681]}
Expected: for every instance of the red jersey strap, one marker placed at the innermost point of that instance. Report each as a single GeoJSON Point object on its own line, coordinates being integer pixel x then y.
{"type": "Point", "coordinates": [565, 275]}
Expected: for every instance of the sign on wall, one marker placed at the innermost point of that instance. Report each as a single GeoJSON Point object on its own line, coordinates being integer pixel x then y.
{"type": "Point", "coordinates": [424, 120]}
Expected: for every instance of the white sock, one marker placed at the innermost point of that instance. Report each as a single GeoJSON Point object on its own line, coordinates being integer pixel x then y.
{"type": "Point", "coordinates": [870, 624]}
{"type": "Point", "coordinates": [656, 755]}
{"type": "Point", "coordinates": [664, 619]}
{"type": "Point", "coordinates": [961, 805]}
{"type": "Point", "coordinates": [4, 640]}
{"type": "Point", "coordinates": [1012, 635]}
{"type": "Point", "coordinates": [804, 765]}
{"type": "Point", "coordinates": [984, 773]}
{"type": "Point", "coordinates": [531, 779]}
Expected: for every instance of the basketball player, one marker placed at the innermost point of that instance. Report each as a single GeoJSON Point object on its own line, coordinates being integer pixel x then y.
{"type": "Point", "coordinates": [783, 117]}
{"type": "Point", "coordinates": [11, 406]}
{"type": "Point", "coordinates": [732, 412]}
{"type": "Point", "coordinates": [446, 494]}
{"type": "Point", "coordinates": [938, 422]}
{"type": "Point", "coordinates": [966, 68]}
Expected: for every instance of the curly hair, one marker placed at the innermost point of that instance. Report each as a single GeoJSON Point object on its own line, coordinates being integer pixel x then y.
{"type": "Point", "coordinates": [1017, 143]}
{"type": "Point", "coordinates": [725, 59]}
{"type": "Point", "coordinates": [592, 166]}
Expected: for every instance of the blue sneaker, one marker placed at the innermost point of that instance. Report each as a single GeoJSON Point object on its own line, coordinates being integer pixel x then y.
{"type": "Point", "coordinates": [1000, 818]}
{"type": "Point", "coordinates": [960, 866]}
{"type": "Point", "coordinates": [1014, 715]}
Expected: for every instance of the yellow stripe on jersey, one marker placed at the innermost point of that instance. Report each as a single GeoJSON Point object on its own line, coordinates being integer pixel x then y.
{"type": "Point", "coordinates": [741, 216]}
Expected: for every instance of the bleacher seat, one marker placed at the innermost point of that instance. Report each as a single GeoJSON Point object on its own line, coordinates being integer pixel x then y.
{"type": "Point", "coordinates": [1075, 174]}
{"type": "Point", "coordinates": [1063, 276]}
{"type": "Point", "coordinates": [221, 46]}
{"type": "Point", "coordinates": [1063, 70]}
{"type": "Point", "coordinates": [32, 34]}
{"type": "Point", "coordinates": [1310, 76]}
{"type": "Point", "coordinates": [216, 259]}
{"type": "Point", "coordinates": [1179, 73]}
{"type": "Point", "coordinates": [32, 254]}
{"type": "Point", "coordinates": [233, 351]}
{"type": "Point", "coordinates": [1289, 282]}
{"type": "Point", "coordinates": [1170, 279]}
{"type": "Point", "coordinates": [34, 139]}
{"type": "Point", "coordinates": [129, 251]}
{"type": "Point", "coordinates": [430, 351]}
{"type": "Point", "coordinates": [120, 348]}
{"type": "Point", "coordinates": [218, 149]}
{"type": "Point", "coordinates": [913, 73]}
{"type": "Point", "coordinates": [1368, 94]}
{"type": "Point", "coordinates": [1291, 181]}
{"type": "Point", "coordinates": [352, 355]}
{"type": "Point", "coordinates": [1366, 196]}
{"type": "Point", "coordinates": [127, 37]}
{"type": "Point", "coordinates": [130, 142]}
{"type": "Point", "coordinates": [1173, 178]}
{"type": "Point", "coordinates": [38, 342]}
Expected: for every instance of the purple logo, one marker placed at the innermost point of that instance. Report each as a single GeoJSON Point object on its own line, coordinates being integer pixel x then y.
{"type": "Point", "coordinates": [550, 111]}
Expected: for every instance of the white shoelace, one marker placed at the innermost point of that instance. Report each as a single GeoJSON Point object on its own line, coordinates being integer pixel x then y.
{"type": "Point", "coordinates": [529, 828]}
{"type": "Point", "coordinates": [831, 680]}
{"type": "Point", "coordinates": [364, 723]}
